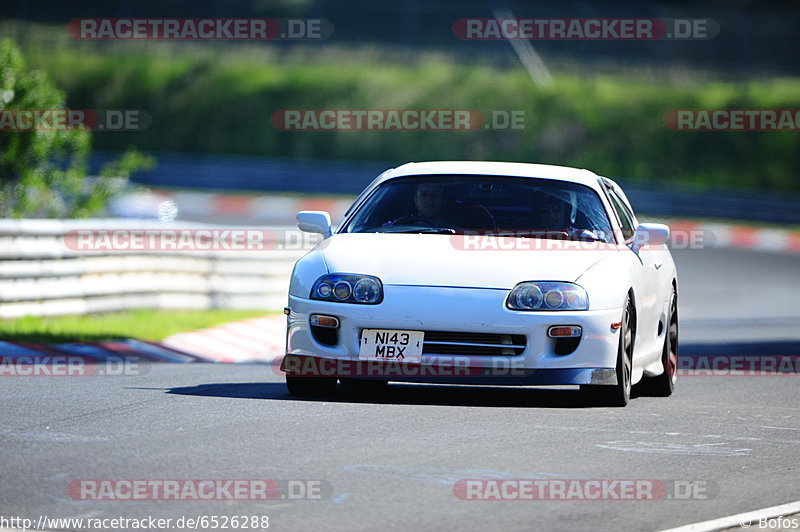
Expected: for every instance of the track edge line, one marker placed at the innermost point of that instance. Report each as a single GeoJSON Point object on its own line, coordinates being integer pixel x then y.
{"type": "Point", "coordinates": [731, 521]}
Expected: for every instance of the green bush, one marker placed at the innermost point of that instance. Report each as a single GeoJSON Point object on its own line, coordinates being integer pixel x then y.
{"type": "Point", "coordinates": [43, 173]}
{"type": "Point", "coordinates": [219, 98]}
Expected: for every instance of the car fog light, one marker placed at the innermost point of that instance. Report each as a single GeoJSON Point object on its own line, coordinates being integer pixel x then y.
{"type": "Point", "coordinates": [564, 331]}
{"type": "Point", "coordinates": [329, 322]}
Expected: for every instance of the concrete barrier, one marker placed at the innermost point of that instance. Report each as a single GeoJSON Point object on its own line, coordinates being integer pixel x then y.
{"type": "Point", "coordinates": [41, 275]}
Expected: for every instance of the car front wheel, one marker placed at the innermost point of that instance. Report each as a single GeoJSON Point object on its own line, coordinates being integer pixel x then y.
{"type": "Point", "coordinates": [618, 394]}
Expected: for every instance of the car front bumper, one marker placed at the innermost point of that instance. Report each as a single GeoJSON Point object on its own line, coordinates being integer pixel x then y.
{"type": "Point", "coordinates": [457, 310]}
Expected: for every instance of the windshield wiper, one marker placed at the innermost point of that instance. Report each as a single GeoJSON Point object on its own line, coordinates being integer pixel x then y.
{"type": "Point", "coordinates": [411, 229]}
{"type": "Point", "coordinates": [430, 230]}
{"type": "Point", "coordinates": [587, 236]}
{"type": "Point", "coordinates": [553, 235]}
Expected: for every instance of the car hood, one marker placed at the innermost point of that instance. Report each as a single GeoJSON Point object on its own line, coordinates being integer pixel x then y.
{"type": "Point", "coordinates": [441, 260]}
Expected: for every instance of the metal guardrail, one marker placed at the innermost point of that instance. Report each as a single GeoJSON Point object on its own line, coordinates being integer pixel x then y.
{"type": "Point", "coordinates": [689, 202]}
{"type": "Point", "coordinates": [320, 177]}
{"type": "Point", "coordinates": [41, 275]}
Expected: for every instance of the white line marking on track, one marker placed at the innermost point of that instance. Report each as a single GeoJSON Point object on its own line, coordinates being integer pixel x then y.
{"type": "Point", "coordinates": [743, 519]}
{"type": "Point", "coordinates": [48, 437]}
{"type": "Point", "coordinates": [701, 449]}
{"type": "Point", "coordinates": [440, 475]}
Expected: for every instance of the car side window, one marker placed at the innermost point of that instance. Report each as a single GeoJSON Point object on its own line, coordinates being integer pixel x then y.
{"type": "Point", "coordinates": [624, 215]}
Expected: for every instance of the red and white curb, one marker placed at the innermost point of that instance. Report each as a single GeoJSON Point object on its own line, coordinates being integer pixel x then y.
{"type": "Point", "coordinates": [255, 340]}
{"type": "Point", "coordinates": [127, 348]}
{"type": "Point", "coordinates": [259, 340]}
{"type": "Point", "coordinates": [251, 208]}
{"type": "Point", "coordinates": [721, 235]}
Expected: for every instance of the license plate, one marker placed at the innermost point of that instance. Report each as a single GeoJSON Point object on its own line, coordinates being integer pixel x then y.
{"type": "Point", "coordinates": [385, 344]}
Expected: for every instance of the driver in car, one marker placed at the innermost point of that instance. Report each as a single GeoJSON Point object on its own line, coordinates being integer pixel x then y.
{"type": "Point", "coordinates": [433, 210]}
{"type": "Point", "coordinates": [429, 207]}
{"type": "Point", "coordinates": [551, 214]}
{"type": "Point", "coordinates": [555, 218]}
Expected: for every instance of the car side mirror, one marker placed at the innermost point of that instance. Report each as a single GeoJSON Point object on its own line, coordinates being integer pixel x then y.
{"type": "Point", "coordinates": [315, 222]}
{"type": "Point", "coordinates": [650, 235]}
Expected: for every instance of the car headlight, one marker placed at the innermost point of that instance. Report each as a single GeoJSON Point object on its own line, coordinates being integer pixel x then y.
{"type": "Point", "coordinates": [547, 295]}
{"type": "Point", "coordinates": [348, 288]}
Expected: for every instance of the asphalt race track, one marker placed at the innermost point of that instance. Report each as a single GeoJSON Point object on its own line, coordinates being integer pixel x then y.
{"type": "Point", "coordinates": [391, 460]}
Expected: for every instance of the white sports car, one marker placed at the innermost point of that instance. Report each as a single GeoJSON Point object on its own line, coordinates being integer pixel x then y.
{"type": "Point", "coordinates": [485, 273]}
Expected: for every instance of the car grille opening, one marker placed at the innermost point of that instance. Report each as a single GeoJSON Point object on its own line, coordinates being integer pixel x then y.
{"type": "Point", "coordinates": [325, 335]}
{"type": "Point", "coordinates": [466, 343]}
{"type": "Point", "coordinates": [566, 346]}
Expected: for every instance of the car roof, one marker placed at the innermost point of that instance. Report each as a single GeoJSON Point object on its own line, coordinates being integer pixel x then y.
{"type": "Point", "coordinates": [492, 168]}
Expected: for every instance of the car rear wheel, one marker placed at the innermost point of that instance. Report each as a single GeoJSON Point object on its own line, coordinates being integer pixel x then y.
{"type": "Point", "coordinates": [618, 394]}
{"type": "Point", "coordinates": [663, 385]}
{"type": "Point", "coordinates": [310, 386]}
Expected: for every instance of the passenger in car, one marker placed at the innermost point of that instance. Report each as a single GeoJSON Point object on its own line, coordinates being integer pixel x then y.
{"type": "Point", "coordinates": [555, 217]}
{"type": "Point", "coordinates": [551, 214]}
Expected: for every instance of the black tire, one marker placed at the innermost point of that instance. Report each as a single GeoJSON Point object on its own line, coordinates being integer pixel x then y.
{"type": "Point", "coordinates": [310, 386]}
{"type": "Point", "coordinates": [664, 384]}
{"type": "Point", "coordinates": [618, 394]}
{"type": "Point", "coordinates": [365, 385]}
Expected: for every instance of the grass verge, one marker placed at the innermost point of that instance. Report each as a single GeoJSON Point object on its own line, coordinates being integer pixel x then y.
{"type": "Point", "coordinates": [141, 324]}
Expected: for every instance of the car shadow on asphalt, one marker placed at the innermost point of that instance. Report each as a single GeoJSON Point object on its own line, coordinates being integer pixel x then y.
{"type": "Point", "coordinates": [475, 395]}
{"type": "Point", "coordinates": [403, 394]}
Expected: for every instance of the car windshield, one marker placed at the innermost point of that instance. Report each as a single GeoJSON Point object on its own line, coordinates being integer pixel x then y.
{"type": "Point", "coordinates": [484, 205]}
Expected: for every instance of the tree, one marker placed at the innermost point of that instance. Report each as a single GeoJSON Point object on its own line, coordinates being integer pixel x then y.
{"type": "Point", "coordinates": [44, 173]}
